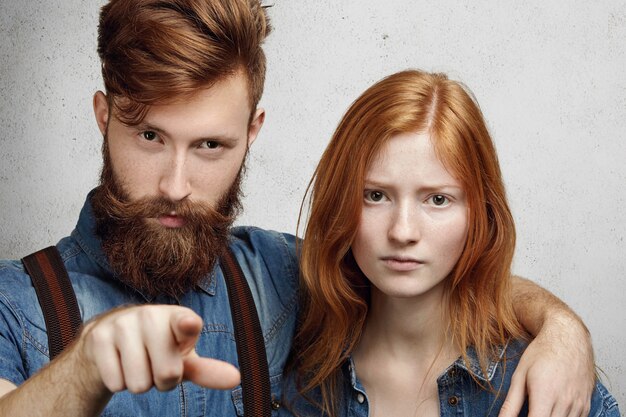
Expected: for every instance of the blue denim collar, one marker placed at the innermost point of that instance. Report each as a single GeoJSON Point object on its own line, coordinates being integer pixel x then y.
{"type": "Point", "coordinates": [473, 367]}
{"type": "Point", "coordinates": [354, 381]}
{"type": "Point", "coordinates": [85, 235]}
{"type": "Point", "coordinates": [450, 374]}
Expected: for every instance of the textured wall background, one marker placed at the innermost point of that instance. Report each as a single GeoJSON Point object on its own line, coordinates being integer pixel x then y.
{"type": "Point", "coordinates": [550, 79]}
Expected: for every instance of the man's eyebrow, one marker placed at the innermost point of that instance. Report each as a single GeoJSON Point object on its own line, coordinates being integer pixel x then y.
{"type": "Point", "coordinates": [143, 126]}
{"type": "Point", "coordinates": [221, 137]}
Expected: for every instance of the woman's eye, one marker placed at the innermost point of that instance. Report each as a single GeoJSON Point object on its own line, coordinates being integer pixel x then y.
{"type": "Point", "coordinates": [210, 144]}
{"type": "Point", "coordinates": [149, 135]}
{"type": "Point", "coordinates": [439, 200]}
{"type": "Point", "coordinates": [374, 196]}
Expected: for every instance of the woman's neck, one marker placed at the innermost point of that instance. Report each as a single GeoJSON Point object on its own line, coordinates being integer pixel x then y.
{"type": "Point", "coordinates": [403, 349]}
{"type": "Point", "coordinates": [413, 326]}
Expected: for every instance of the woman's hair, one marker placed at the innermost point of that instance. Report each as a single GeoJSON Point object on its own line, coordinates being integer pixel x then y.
{"type": "Point", "coordinates": [335, 293]}
{"type": "Point", "coordinates": [155, 51]}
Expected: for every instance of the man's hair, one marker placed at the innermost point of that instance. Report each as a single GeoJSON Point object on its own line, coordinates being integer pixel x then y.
{"type": "Point", "coordinates": [159, 51]}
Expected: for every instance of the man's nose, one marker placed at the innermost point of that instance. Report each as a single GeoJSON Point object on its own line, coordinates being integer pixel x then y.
{"type": "Point", "coordinates": [175, 183]}
{"type": "Point", "coordinates": [404, 227]}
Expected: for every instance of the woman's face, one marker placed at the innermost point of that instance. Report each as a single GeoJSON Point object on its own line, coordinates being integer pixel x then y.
{"type": "Point", "coordinates": [413, 225]}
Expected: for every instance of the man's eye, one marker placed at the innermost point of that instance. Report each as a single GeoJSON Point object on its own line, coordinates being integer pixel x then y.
{"type": "Point", "coordinates": [149, 135]}
{"type": "Point", "coordinates": [210, 144]}
{"type": "Point", "coordinates": [374, 196]}
{"type": "Point", "coordinates": [439, 200]}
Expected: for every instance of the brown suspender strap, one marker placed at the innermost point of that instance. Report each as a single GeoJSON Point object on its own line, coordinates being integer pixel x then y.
{"type": "Point", "coordinates": [62, 316]}
{"type": "Point", "coordinates": [56, 297]}
{"type": "Point", "coordinates": [255, 377]}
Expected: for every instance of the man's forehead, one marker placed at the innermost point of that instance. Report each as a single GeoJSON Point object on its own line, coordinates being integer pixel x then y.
{"type": "Point", "coordinates": [224, 101]}
{"type": "Point", "coordinates": [222, 109]}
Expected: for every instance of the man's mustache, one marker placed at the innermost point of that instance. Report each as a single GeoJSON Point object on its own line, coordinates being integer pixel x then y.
{"type": "Point", "coordinates": [153, 207]}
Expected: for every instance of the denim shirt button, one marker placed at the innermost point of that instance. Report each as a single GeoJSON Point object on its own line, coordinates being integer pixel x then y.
{"type": "Point", "coordinates": [360, 398]}
{"type": "Point", "coordinates": [276, 405]}
{"type": "Point", "coordinates": [453, 400]}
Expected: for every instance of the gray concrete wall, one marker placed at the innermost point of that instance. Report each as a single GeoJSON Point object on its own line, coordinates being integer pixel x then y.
{"type": "Point", "coordinates": [550, 77]}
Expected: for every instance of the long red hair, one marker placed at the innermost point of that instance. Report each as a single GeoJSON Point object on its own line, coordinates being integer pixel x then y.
{"type": "Point", "coordinates": [335, 291]}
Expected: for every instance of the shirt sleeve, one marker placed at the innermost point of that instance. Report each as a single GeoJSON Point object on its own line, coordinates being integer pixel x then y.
{"type": "Point", "coordinates": [603, 404]}
{"type": "Point", "coordinates": [11, 343]}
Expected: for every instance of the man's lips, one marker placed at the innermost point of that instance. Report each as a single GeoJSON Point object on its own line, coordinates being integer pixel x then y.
{"type": "Point", "coordinates": [402, 263]}
{"type": "Point", "coordinates": [171, 220]}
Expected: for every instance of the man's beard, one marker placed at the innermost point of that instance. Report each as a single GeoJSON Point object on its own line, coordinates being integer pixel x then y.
{"type": "Point", "coordinates": [149, 257]}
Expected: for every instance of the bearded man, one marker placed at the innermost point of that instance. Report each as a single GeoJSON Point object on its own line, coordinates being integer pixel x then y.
{"type": "Point", "coordinates": [183, 79]}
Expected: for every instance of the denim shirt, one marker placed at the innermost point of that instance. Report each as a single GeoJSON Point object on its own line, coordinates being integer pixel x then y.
{"type": "Point", "coordinates": [268, 261]}
{"type": "Point", "coordinates": [459, 394]}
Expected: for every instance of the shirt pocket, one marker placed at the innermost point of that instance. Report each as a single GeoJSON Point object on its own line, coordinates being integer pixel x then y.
{"type": "Point", "coordinates": [276, 383]}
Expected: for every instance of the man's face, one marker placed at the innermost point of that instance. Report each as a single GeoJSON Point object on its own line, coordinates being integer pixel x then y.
{"type": "Point", "coordinates": [170, 186]}
{"type": "Point", "coordinates": [188, 150]}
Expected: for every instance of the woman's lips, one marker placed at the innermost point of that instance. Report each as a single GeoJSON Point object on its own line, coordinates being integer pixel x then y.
{"type": "Point", "coordinates": [401, 264]}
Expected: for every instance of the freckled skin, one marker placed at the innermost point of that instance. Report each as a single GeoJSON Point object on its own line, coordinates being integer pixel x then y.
{"type": "Point", "coordinates": [414, 220]}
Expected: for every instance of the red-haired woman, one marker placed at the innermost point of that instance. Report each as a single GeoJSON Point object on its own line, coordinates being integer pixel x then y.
{"type": "Point", "coordinates": [406, 264]}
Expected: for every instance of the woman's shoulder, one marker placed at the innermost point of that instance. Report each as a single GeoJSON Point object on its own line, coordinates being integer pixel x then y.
{"type": "Point", "coordinates": [294, 403]}
{"type": "Point", "coordinates": [349, 395]}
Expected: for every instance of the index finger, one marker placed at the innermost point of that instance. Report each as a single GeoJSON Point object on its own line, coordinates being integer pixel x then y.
{"type": "Point", "coordinates": [210, 373]}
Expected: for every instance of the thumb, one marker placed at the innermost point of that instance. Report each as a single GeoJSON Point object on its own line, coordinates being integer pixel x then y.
{"type": "Point", "coordinates": [186, 327]}
{"type": "Point", "coordinates": [514, 399]}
